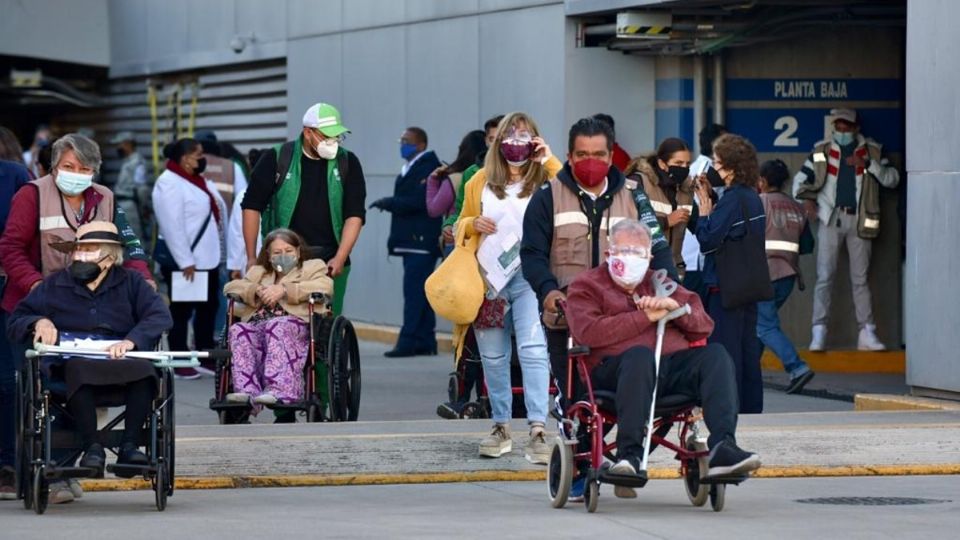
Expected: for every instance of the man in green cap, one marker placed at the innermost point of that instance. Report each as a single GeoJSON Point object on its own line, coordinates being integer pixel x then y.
{"type": "Point", "coordinates": [315, 187]}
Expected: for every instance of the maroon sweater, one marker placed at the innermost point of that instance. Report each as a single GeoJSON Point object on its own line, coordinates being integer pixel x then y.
{"type": "Point", "coordinates": [605, 318]}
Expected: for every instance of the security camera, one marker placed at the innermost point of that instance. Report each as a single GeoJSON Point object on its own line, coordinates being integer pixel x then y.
{"type": "Point", "coordinates": [238, 44]}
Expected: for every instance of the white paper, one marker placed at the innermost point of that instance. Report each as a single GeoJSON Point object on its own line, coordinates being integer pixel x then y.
{"type": "Point", "coordinates": [499, 254]}
{"type": "Point", "coordinates": [182, 290]}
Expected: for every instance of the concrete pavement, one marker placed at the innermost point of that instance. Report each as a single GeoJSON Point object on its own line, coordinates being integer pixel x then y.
{"type": "Point", "coordinates": [759, 508]}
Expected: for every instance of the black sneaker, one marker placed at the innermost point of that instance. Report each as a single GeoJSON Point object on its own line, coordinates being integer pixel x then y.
{"type": "Point", "coordinates": [94, 458]}
{"type": "Point", "coordinates": [797, 383]}
{"type": "Point", "coordinates": [727, 459]}
{"type": "Point", "coordinates": [450, 410]}
{"type": "Point", "coordinates": [130, 455]}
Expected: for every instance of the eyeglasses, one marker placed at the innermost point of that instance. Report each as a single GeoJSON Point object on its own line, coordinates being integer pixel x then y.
{"type": "Point", "coordinates": [630, 250]}
{"type": "Point", "coordinates": [339, 138]}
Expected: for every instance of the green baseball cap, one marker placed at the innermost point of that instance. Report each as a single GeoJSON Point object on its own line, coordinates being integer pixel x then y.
{"type": "Point", "coordinates": [325, 118]}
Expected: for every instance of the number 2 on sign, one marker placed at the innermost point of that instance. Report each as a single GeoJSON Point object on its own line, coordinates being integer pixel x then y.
{"type": "Point", "coordinates": [789, 126]}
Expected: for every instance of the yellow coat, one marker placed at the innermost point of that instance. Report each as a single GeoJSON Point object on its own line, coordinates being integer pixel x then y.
{"type": "Point", "coordinates": [471, 211]}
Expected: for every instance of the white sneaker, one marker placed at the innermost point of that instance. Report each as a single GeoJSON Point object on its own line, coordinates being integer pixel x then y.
{"type": "Point", "coordinates": [265, 399]}
{"type": "Point", "coordinates": [60, 492]}
{"type": "Point", "coordinates": [497, 443]}
{"type": "Point", "coordinates": [868, 340]}
{"type": "Point", "coordinates": [818, 342]}
{"type": "Point", "coordinates": [238, 397]}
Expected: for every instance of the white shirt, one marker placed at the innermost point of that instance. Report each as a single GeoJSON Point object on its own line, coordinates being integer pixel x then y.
{"type": "Point", "coordinates": [606, 185]}
{"type": "Point", "coordinates": [181, 208]}
{"type": "Point", "coordinates": [496, 209]}
{"type": "Point", "coordinates": [407, 165]}
{"type": "Point", "coordinates": [236, 248]}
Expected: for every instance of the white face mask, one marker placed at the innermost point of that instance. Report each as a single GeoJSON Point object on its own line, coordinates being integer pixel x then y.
{"type": "Point", "coordinates": [86, 256]}
{"type": "Point", "coordinates": [328, 148]}
{"type": "Point", "coordinates": [73, 183]}
{"type": "Point", "coordinates": [843, 138]}
{"type": "Point", "coordinates": [628, 270]}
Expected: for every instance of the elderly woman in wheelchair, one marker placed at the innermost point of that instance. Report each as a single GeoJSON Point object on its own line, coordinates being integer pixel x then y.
{"type": "Point", "coordinates": [95, 297]}
{"type": "Point", "coordinates": [270, 346]}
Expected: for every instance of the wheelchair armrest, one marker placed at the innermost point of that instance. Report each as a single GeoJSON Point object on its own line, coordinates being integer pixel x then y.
{"type": "Point", "coordinates": [320, 298]}
{"type": "Point", "coordinates": [580, 350]}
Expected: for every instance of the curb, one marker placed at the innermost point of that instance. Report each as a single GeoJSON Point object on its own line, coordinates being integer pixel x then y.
{"type": "Point", "coordinates": [890, 402]}
{"type": "Point", "coordinates": [373, 479]}
{"type": "Point", "coordinates": [825, 362]}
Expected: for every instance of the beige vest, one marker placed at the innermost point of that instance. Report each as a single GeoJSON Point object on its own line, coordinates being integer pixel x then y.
{"type": "Point", "coordinates": [662, 207]}
{"type": "Point", "coordinates": [59, 224]}
{"type": "Point", "coordinates": [220, 171]}
{"type": "Point", "coordinates": [785, 221]}
{"type": "Point", "coordinates": [572, 249]}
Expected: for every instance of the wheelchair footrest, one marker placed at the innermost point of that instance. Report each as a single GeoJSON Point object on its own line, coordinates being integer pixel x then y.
{"type": "Point", "coordinates": [735, 480]}
{"type": "Point", "coordinates": [228, 405]}
{"type": "Point", "coordinates": [294, 406]}
{"type": "Point", "coordinates": [635, 481]}
{"type": "Point", "coordinates": [129, 471]}
{"type": "Point", "coordinates": [70, 472]}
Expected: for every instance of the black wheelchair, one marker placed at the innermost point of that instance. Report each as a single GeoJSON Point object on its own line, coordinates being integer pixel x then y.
{"type": "Point", "coordinates": [331, 372]}
{"type": "Point", "coordinates": [46, 451]}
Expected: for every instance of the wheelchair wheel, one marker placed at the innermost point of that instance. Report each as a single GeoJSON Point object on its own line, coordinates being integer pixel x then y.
{"type": "Point", "coordinates": [160, 487]}
{"type": "Point", "coordinates": [170, 438]}
{"type": "Point", "coordinates": [40, 491]}
{"type": "Point", "coordinates": [453, 387]}
{"type": "Point", "coordinates": [559, 473]}
{"type": "Point", "coordinates": [591, 495]}
{"type": "Point", "coordinates": [718, 495]}
{"type": "Point", "coordinates": [344, 372]}
{"type": "Point", "coordinates": [696, 469]}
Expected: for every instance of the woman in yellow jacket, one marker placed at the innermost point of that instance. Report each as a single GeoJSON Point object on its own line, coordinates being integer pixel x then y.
{"type": "Point", "coordinates": [517, 164]}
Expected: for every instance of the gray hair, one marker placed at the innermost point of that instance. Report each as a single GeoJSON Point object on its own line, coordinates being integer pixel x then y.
{"type": "Point", "coordinates": [630, 227]}
{"type": "Point", "coordinates": [114, 250]}
{"type": "Point", "coordinates": [86, 150]}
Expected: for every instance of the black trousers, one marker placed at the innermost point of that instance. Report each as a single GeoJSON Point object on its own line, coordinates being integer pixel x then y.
{"type": "Point", "coordinates": [204, 316]}
{"type": "Point", "coordinates": [736, 330]}
{"type": "Point", "coordinates": [705, 373]}
{"type": "Point", "coordinates": [83, 408]}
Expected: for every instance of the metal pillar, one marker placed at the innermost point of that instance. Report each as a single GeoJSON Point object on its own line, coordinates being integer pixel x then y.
{"type": "Point", "coordinates": [699, 100]}
{"type": "Point", "coordinates": [719, 90]}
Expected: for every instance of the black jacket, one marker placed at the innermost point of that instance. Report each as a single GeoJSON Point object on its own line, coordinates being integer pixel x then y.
{"type": "Point", "coordinates": [411, 228]}
{"type": "Point", "coordinates": [124, 306]}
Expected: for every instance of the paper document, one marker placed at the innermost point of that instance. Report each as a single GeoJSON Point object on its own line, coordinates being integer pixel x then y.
{"type": "Point", "coordinates": [499, 254]}
{"type": "Point", "coordinates": [182, 290]}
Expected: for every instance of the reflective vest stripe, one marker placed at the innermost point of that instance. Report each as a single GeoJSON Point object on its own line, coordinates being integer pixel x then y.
{"type": "Point", "coordinates": [53, 222]}
{"type": "Point", "coordinates": [570, 218]}
{"type": "Point", "coordinates": [661, 207]}
{"type": "Point", "coordinates": [871, 223]}
{"type": "Point", "coordinates": [613, 221]}
{"type": "Point", "coordinates": [782, 245]}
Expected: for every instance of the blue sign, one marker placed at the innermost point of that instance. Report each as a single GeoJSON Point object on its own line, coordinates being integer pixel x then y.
{"type": "Point", "coordinates": [814, 89]}
{"type": "Point", "coordinates": [797, 130]}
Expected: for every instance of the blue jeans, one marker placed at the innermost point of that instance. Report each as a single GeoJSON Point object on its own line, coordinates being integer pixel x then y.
{"type": "Point", "coordinates": [770, 334]}
{"type": "Point", "coordinates": [523, 319]}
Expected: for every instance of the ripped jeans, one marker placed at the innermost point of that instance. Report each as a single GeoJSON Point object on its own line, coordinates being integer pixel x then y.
{"type": "Point", "coordinates": [523, 319]}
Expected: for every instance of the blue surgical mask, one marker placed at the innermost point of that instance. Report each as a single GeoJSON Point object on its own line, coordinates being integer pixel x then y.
{"type": "Point", "coordinates": [408, 150]}
{"type": "Point", "coordinates": [73, 183]}
{"type": "Point", "coordinates": [844, 138]}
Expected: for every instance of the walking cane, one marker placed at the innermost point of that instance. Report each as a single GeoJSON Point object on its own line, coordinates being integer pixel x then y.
{"type": "Point", "coordinates": [664, 287]}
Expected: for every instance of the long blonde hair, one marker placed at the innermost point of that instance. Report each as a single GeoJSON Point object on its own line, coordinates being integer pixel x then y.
{"type": "Point", "coordinates": [498, 171]}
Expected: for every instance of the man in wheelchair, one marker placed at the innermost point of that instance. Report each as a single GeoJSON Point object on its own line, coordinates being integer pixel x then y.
{"type": "Point", "coordinates": [96, 297]}
{"type": "Point", "coordinates": [613, 309]}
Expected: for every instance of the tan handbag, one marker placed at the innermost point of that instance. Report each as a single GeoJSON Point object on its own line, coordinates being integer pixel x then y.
{"type": "Point", "coordinates": [455, 289]}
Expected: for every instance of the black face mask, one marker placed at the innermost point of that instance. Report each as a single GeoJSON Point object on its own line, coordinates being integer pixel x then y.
{"type": "Point", "coordinates": [677, 174]}
{"type": "Point", "coordinates": [201, 166]}
{"type": "Point", "coordinates": [714, 178]}
{"type": "Point", "coordinates": [85, 272]}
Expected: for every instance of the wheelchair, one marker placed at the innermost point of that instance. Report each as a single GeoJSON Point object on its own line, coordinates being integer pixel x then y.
{"type": "Point", "coordinates": [468, 378]}
{"type": "Point", "coordinates": [331, 372]}
{"type": "Point", "coordinates": [38, 438]}
{"type": "Point", "coordinates": [581, 448]}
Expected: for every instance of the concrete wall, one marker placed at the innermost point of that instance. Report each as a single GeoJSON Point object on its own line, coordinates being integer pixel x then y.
{"type": "Point", "coordinates": [81, 30]}
{"type": "Point", "coordinates": [933, 165]}
{"type": "Point", "coordinates": [876, 56]}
